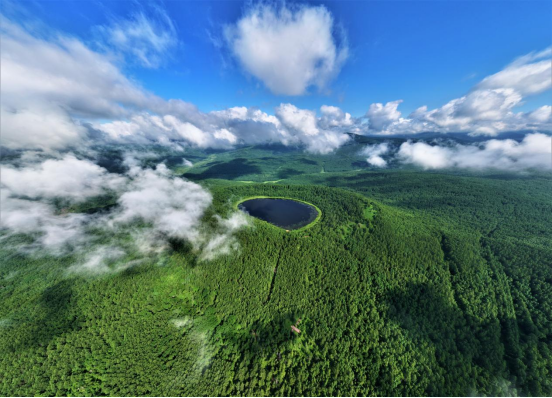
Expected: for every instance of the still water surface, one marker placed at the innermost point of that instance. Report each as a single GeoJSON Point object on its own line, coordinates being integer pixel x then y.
{"type": "Point", "coordinates": [284, 213]}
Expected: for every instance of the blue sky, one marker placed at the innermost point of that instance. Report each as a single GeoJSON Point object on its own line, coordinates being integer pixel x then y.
{"type": "Point", "coordinates": [423, 52]}
{"type": "Point", "coordinates": [227, 73]}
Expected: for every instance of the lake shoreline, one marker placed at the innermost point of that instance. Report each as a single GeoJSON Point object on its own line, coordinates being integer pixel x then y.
{"type": "Point", "coordinates": [309, 225]}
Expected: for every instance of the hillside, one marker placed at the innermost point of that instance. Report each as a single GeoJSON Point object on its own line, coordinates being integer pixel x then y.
{"type": "Point", "coordinates": [406, 286]}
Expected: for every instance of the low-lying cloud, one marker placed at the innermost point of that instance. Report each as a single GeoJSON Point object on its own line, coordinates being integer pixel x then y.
{"type": "Point", "coordinates": [67, 177]}
{"type": "Point", "coordinates": [374, 154]}
{"type": "Point", "coordinates": [172, 206]}
{"type": "Point", "coordinates": [533, 152]}
{"type": "Point", "coordinates": [40, 220]}
{"type": "Point", "coordinates": [152, 207]}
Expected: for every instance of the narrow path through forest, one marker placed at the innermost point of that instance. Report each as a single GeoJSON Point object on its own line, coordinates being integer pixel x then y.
{"type": "Point", "coordinates": [274, 275]}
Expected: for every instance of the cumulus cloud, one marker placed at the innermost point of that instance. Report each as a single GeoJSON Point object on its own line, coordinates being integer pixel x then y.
{"type": "Point", "coordinates": [145, 128]}
{"type": "Point", "coordinates": [301, 120]}
{"type": "Point", "coordinates": [57, 93]}
{"type": "Point", "coordinates": [533, 152]}
{"type": "Point", "coordinates": [488, 109]}
{"type": "Point", "coordinates": [37, 125]}
{"type": "Point", "coordinates": [541, 115]}
{"type": "Point", "coordinates": [374, 152]}
{"type": "Point", "coordinates": [334, 117]}
{"type": "Point", "coordinates": [147, 38]}
{"type": "Point", "coordinates": [237, 126]}
{"type": "Point", "coordinates": [380, 116]}
{"type": "Point", "coordinates": [48, 83]}
{"type": "Point", "coordinates": [100, 260]}
{"type": "Point", "coordinates": [287, 48]}
{"type": "Point", "coordinates": [63, 72]}
{"type": "Point", "coordinates": [27, 192]}
{"type": "Point", "coordinates": [173, 208]}
{"type": "Point", "coordinates": [480, 112]}
{"type": "Point", "coordinates": [251, 125]}
{"type": "Point", "coordinates": [181, 322]}
{"type": "Point", "coordinates": [303, 125]}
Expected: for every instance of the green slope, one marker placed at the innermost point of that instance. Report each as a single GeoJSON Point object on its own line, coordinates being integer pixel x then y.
{"type": "Point", "coordinates": [429, 292]}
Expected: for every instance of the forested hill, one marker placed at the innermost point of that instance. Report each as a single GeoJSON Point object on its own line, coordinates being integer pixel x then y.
{"type": "Point", "coordinates": [411, 283]}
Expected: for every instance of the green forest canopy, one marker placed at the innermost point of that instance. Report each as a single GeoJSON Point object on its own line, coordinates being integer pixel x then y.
{"type": "Point", "coordinates": [411, 283]}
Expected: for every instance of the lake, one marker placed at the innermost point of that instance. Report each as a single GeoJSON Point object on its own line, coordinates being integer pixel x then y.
{"type": "Point", "coordinates": [284, 213]}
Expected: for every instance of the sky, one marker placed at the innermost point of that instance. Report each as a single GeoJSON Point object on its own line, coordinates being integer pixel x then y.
{"type": "Point", "coordinates": [226, 73]}
{"type": "Point", "coordinates": [423, 52]}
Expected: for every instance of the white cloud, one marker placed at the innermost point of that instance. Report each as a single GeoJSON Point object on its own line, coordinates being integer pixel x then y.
{"type": "Point", "coordinates": [289, 126]}
{"type": "Point", "coordinates": [303, 126]}
{"type": "Point", "coordinates": [425, 155]}
{"type": "Point", "coordinates": [380, 116]}
{"type": "Point", "coordinates": [53, 231]}
{"type": "Point", "coordinates": [486, 104]}
{"type": "Point", "coordinates": [46, 84]}
{"type": "Point", "coordinates": [152, 207]}
{"type": "Point", "coordinates": [57, 93]}
{"type": "Point", "coordinates": [487, 109]}
{"type": "Point", "coordinates": [147, 39]}
{"type": "Point", "coordinates": [173, 206]}
{"type": "Point", "coordinates": [422, 110]}
{"type": "Point", "coordinates": [63, 72]}
{"type": "Point", "coordinates": [300, 120]}
{"type": "Point", "coordinates": [181, 322]}
{"type": "Point", "coordinates": [68, 178]}
{"type": "Point", "coordinates": [533, 152]}
{"type": "Point", "coordinates": [287, 48]}
{"type": "Point", "coordinates": [37, 125]}
{"type": "Point", "coordinates": [145, 128]}
{"type": "Point", "coordinates": [239, 125]}
{"type": "Point", "coordinates": [480, 111]}
{"type": "Point", "coordinates": [484, 131]}
{"type": "Point", "coordinates": [528, 75]}
{"type": "Point", "coordinates": [100, 260]}
{"type": "Point", "coordinates": [541, 115]}
{"type": "Point", "coordinates": [223, 242]}
{"type": "Point", "coordinates": [334, 117]}
{"type": "Point", "coordinates": [28, 189]}
{"type": "Point", "coordinates": [374, 152]}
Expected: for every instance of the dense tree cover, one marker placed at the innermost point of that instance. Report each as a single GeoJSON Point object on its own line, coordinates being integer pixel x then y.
{"type": "Point", "coordinates": [411, 284]}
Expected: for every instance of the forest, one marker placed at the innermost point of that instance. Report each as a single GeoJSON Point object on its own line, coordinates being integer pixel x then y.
{"type": "Point", "coordinates": [412, 283]}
